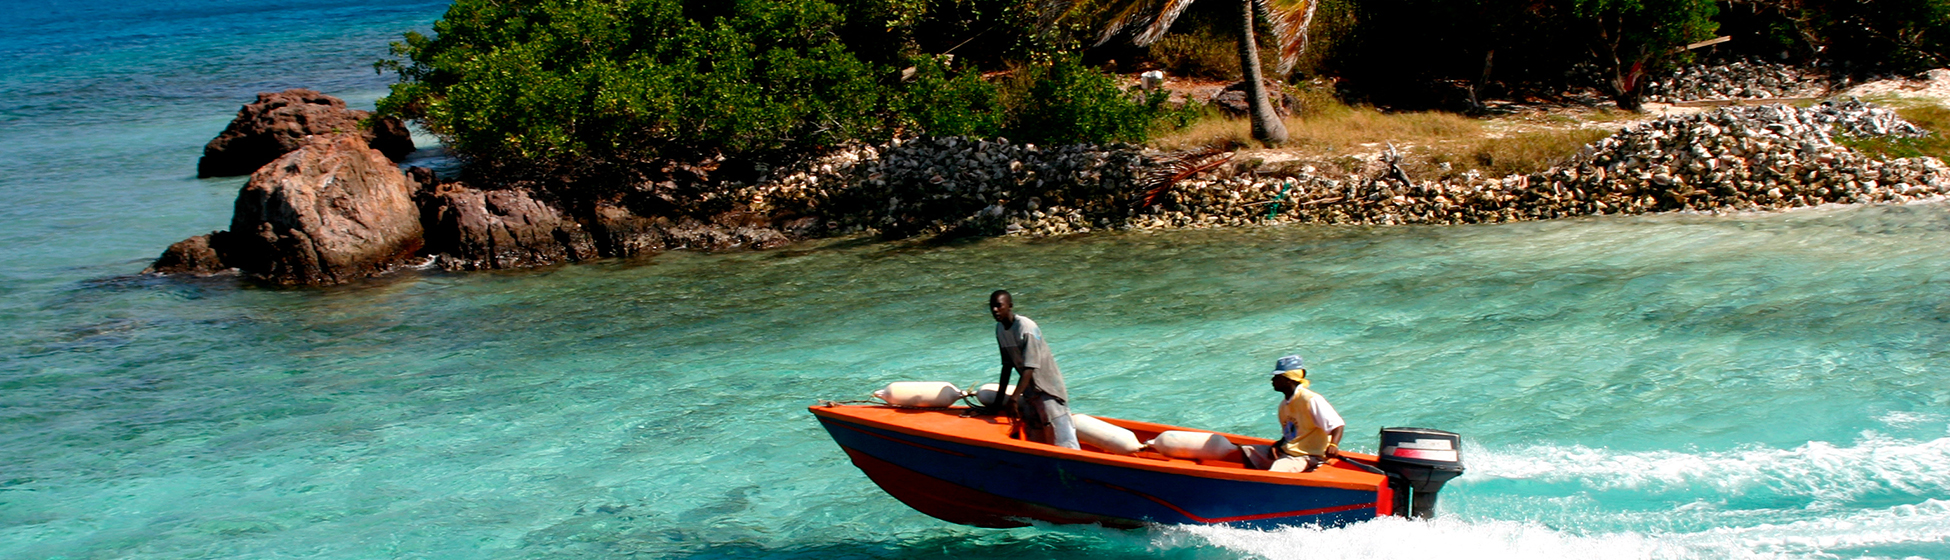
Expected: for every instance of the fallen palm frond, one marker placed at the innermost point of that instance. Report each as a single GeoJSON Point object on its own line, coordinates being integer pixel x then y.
{"type": "Point", "coordinates": [1172, 168]}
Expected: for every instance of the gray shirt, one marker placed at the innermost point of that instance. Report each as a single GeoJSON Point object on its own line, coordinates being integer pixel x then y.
{"type": "Point", "coordinates": [1023, 347]}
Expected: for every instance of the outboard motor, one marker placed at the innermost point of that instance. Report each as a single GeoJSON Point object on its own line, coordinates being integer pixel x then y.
{"type": "Point", "coordinates": [1419, 460]}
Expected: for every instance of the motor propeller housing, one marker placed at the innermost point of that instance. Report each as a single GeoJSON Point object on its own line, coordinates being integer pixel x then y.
{"type": "Point", "coordinates": [1418, 462]}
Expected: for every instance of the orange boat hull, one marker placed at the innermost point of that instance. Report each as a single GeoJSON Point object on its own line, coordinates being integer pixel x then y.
{"type": "Point", "coordinates": [967, 470]}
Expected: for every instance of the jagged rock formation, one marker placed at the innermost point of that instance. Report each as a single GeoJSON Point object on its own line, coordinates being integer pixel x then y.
{"type": "Point", "coordinates": [278, 123]}
{"type": "Point", "coordinates": [333, 211]}
{"type": "Point", "coordinates": [469, 229]}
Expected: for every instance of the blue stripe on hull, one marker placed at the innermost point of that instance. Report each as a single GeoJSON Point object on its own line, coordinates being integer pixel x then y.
{"type": "Point", "coordinates": [1104, 490]}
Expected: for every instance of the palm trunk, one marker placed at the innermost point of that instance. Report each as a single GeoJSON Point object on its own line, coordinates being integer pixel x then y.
{"type": "Point", "coordinates": [1267, 126]}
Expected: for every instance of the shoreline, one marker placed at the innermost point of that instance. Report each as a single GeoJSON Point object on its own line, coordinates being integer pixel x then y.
{"type": "Point", "coordinates": [1763, 158]}
{"type": "Point", "coordinates": [1731, 159]}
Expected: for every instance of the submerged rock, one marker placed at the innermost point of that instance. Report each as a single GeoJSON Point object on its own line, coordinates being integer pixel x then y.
{"type": "Point", "coordinates": [277, 123]}
{"type": "Point", "coordinates": [196, 256]}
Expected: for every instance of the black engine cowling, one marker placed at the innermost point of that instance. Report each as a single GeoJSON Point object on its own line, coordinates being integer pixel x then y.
{"type": "Point", "coordinates": [1418, 462]}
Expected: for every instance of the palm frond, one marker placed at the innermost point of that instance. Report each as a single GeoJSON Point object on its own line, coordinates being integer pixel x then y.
{"type": "Point", "coordinates": [1291, 20]}
{"type": "Point", "coordinates": [1154, 16]}
{"type": "Point", "coordinates": [1170, 169]}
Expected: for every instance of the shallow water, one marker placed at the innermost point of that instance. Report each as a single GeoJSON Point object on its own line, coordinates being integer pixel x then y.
{"type": "Point", "coordinates": [1663, 386]}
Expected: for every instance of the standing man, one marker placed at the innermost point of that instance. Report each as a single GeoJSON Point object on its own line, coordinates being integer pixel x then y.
{"type": "Point", "coordinates": [1310, 429]}
{"type": "Point", "coordinates": [1040, 403]}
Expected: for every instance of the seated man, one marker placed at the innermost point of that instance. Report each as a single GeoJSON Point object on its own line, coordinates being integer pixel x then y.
{"type": "Point", "coordinates": [1310, 429]}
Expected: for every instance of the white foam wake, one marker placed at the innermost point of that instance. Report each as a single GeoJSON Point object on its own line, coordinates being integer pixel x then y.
{"type": "Point", "coordinates": [1394, 537]}
{"type": "Point", "coordinates": [1826, 473]}
{"type": "Point", "coordinates": [1925, 525]}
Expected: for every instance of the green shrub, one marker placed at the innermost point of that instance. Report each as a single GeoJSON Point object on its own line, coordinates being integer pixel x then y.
{"type": "Point", "coordinates": [609, 82]}
{"type": "Point", "coordinates": [939, 103]}
{"type": "Point", "coordinates": [1066, 102]}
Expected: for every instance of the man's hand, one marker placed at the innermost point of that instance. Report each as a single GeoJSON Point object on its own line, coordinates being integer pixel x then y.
{"type": "Point", "coordinates": [1006, 408]}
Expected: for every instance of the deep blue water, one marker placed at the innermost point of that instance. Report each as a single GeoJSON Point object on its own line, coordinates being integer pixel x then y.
{"type": "Point", "coordinates": [1671, 386]}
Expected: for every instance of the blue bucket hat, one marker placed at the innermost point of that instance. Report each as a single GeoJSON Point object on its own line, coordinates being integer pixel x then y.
{"type": "Point", "coordinates": [1291, 367]}
{"type": "Point", "coordinates": [1289, 363]}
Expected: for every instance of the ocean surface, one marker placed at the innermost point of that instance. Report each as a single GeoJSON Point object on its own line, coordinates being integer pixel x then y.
{"type": "Point", "coordinates": [1668, 386]}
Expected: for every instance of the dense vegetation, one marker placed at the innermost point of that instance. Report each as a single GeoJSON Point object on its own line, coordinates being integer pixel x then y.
{"type": "Point", "coordinates": [1453, 52]}
{"type": "Point", "coordinates": [601, 93]}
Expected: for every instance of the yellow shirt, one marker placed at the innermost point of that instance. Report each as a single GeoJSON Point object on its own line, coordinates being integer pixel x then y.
{"type": "Point", "coordinates": [1305, 421]}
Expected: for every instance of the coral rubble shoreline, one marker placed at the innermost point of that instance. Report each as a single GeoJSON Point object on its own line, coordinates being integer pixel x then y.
{"type": "Point", "coordinates": [1731, 159]}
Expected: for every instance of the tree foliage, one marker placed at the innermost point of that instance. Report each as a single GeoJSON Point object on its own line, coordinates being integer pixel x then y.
{"type": "Point", "coordinates": [1865, 36]}
{"type": "Point", "coordinates": [610, 82]}
{"type": "Point", "coordinates": [603, 90]}
{"type": "Point", "coordinates": [1633, 39]}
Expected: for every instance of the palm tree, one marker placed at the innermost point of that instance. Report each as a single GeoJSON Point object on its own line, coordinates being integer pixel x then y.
{"type": "Point", "coordinates": [1290, 19]}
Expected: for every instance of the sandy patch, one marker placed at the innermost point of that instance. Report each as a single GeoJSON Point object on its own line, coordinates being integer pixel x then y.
{"type": "Point", "coordinates": [1934, 86]}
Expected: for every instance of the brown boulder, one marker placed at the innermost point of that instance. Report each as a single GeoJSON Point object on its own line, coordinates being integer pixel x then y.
{"type": "Point", "coordinates": [331, 212]}
{"type": "Point", "coordinates": [197, 256]}
{"type": "Point", "coordinates": [623, 233]}
{"type": "Point", "coordinates": [1233, 100]}
{"type": "Point", "coordinates": [278, 123]}
{"type": "Point", "coordinates": [480, 230]}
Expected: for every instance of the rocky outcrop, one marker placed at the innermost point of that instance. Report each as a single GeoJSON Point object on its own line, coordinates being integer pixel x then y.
{"type": "Point", "coordinates": [949, 184]}
{"type": "Point", "coordinates": [471, 229]}
{"type": "Point", "coordinates": [333, 211]}
{"type": "Point", "coordinates": [277, 124]}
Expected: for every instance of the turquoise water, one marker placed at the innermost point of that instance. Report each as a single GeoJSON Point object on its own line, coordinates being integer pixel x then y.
{"type": "Point", "coordinates": [1665, 386]}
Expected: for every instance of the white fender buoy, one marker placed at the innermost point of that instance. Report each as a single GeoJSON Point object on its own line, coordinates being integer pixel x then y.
{"type": "Point", "coordinates": [986, 393]}
{"type": "Point", "coordinates": [1192, 445]}
{"type": "Point", "coordinates": [1104, 435]}
{"type": "Point", "coordinates": [920, 394]}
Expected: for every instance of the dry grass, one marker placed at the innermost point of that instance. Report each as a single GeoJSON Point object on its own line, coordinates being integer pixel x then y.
{"type": "Point", "coordinates": [1329, 134]}
{"type": "Point", "coordinates": [1329, 131]}
{"type": "Point", "coordinates": [1526, 152]}
{"type": "Point", "coordinates": [1932, 117]}
{"type": "Point", "coordinates": [1935, 118]}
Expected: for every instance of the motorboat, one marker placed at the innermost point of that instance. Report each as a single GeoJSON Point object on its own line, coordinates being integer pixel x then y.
{"type": "Point", "coordinates": [966, 468]}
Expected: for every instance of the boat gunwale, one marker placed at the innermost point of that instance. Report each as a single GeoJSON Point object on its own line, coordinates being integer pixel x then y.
{"type": "Point", "coordinates": [1108, 459]}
